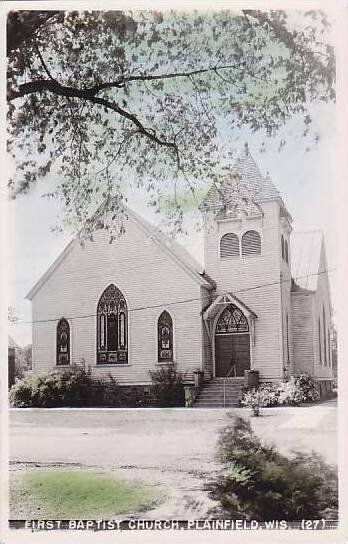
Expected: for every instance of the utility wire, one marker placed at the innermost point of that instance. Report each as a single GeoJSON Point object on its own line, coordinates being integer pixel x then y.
{"type": "Point", "coordinates": [166, 304]}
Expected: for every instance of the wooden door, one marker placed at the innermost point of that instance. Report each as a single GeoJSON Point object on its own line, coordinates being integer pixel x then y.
{"type": "Point", "coordinates": [229, 349]}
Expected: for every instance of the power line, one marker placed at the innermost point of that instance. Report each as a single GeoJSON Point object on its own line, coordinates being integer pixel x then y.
{"type": "Point", "coordinates": [166, 304]}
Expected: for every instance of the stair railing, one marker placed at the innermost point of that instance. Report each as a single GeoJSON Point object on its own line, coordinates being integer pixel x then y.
{"type": "Point", "coordinates": [232, 367]}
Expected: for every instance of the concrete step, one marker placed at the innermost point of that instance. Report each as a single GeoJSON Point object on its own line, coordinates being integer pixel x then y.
{"type": "Point", "coordinates": [227, 380]}
{"type": "Point", "coordinates": [216, 405]}
{"type": "Point", "coordinates": [220, 393]}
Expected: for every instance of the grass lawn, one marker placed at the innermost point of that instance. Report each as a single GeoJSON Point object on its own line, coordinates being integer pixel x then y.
{"type": "Point", "coordinates": [77, 494]}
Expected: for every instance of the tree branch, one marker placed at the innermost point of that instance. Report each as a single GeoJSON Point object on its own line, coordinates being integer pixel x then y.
{"type": "Point", "coordinates": [42, 84]}
{"type": "Point", "coordinates": [55, 87]}
{"type": "Point", "coordinates": [43, 62]}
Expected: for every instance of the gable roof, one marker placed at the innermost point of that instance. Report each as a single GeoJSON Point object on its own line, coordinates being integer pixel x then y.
{"type": "Point", "coordinates": [176, 250]}
{"type": "Point", "coordinates": [171, 247]}
{"type": "Point", "coordinates": [245, 182]}
{"type": "Point", "coordinates": [42, 280]}
{"type": "Point", "coordinates": [306, 252]}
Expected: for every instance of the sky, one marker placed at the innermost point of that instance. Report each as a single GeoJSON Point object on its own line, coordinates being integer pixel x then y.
{"type": "Point", "coordinates": [306, 181]}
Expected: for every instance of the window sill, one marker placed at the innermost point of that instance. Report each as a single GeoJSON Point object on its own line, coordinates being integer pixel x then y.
{"type": "Point", "coordinates": [160, 363]}
{"type": "Point", "coordinates": [113, 365]}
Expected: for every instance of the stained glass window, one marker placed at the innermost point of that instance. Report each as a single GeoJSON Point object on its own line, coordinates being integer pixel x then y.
{"type": "Point", "coordinates": [229, 246]}
{"type": "Point", "coordinates": [63, 342]}
{"type": "Point", "coordinates": [112, 327]}
{"type": "Point", "coordinates": [232, 320]}
{"type": "Point", "coordinates": [324, 339]}
{"type": "Point", "coordinates": [251, 243]}
{"type": "Point", "coordinates": [165, 338]}
{"type": "Point", "coordinates": [286, 251]}
{"type": "Point", "coordinates": [319, 339]}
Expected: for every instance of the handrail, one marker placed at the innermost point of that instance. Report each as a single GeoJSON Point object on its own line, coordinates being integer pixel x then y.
{"type": "Point", "coordinates": [233, 366]}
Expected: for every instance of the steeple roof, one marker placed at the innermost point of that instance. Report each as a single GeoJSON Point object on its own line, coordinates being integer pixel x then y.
{"type": "Point", "coordinates": [244, 186]}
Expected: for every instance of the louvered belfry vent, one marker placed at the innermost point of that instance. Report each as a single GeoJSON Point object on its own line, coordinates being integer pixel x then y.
{"type": "Point", "coordinates": [229, 246]}
{"type": "Point", "coordinates": [251, 243]}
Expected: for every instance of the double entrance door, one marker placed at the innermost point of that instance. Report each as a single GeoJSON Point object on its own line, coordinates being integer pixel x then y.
{"type": "Point", "coordinates": [232, 354]}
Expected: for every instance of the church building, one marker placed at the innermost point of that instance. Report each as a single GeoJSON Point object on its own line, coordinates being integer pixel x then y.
{"type": "Point", "coordinates": [260, 302]}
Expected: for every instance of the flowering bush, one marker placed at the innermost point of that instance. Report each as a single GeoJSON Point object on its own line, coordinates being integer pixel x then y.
{"type": "Point", "coordinates": [308, 387]}
{"type": "Point", "coordinates": [297, 390]}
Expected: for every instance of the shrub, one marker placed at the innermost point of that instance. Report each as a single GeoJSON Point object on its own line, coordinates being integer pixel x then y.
{"type": "Point", "coordinates": [257, 482]}
{"type": "Point", "coordinates": [262, 397]}
{"type": "Point", "coordinates": [76, 387]}
{"type": "Point", "coordinates": [295, 391]}
{"type": "Point", "coordinates": [168, 386]}
{"type": "Point", "coordinates": [72, 387]}
{"type": "Point", "coordinates": [23, 393]}
{"type": "Point", "coordinates": [308, 387]}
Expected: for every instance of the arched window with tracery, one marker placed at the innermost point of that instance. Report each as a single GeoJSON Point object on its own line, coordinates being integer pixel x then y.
{"type": "Point", "coordinates": [251, 243]}
{"type": "Point", "coordinates": [232, 320]}
{"type": "Point", "coordinates": [319, 342]}
{"type": "Point", "coordinates": [165, 337]}
{"type": "Point", "coordinates": [325, 338]}
{"type": "Point", "coordinates": [63, 342]}
{"type": "Point", "coordinates": [112, 338]}
{"type": "Point", "coordinates": [229, 246]}
{"type": "Point", "coordinates": [286, 251]}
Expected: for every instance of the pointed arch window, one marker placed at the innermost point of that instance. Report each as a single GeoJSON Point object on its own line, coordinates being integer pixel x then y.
{"type": "Point", "coordinates": [324, 339]}
{"type": "Point", "coordinates": [319, 342]}
{"type": "Point", "coordinates": [229, 246]}
{"type": "Point", "coordinates": [63, 342]}
{"type": "Point", "coordinates": [286, 251]}
{"type": "Point", "coordinates": [232, 320]}
{"type": "Point", "coordinates": [112, 341]}
{"type": "Point", "coordinates": [251, 243]}
{"type": "Point", "coordinates": [165, 337]}
{"type": "Point", "coordinates": [287, 338]}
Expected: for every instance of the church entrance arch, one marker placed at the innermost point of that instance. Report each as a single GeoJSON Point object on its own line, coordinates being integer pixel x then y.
{"type": "Point", "coordinates": [232, 343]}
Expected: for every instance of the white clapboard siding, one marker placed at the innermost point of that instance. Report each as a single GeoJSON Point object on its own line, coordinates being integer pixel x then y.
{"type": "Point", "coordinates": [150, 283]}
{"type": "Point", "coordinates": [322, 300]}
{"type": "Point", "coordinates": [245, 277]}
{"type": "Point", "coordinates": [302, 305]}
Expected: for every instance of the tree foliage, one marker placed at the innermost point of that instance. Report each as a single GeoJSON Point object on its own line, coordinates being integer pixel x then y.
{"type": "Point", "coordinates": [105, 99]}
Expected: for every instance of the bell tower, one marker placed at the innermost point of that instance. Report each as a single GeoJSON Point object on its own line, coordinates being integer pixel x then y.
{"type": "Point", "coordinates": [247, 253]}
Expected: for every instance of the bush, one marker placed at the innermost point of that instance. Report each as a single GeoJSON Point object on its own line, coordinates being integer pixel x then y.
{"type": "Point", "coordinates": [257, 482]}
{"type": "Point", "coordinates": [75, 387]}
{"type": "Point", "coordinates": [72, 387]}
{"type": "Point", "coordinates": [297, 390]}
{"type": "Point", "coordinates": [168, 386]}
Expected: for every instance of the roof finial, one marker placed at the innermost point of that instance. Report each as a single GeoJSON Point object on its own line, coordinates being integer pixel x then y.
{"type": "Point", "coordinates": [246, 148]}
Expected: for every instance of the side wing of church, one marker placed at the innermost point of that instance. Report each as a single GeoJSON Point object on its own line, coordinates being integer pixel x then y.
{"type": "Point", "coordinates": [261, 302]}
